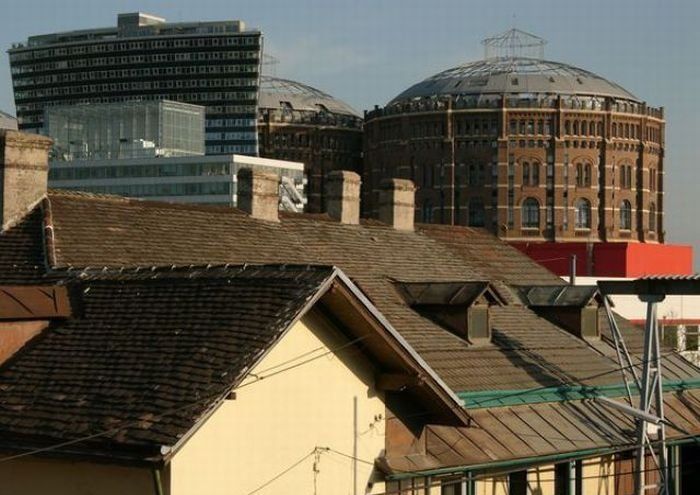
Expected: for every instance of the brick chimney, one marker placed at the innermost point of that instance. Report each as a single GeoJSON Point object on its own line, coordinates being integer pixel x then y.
{"type": "Point", "coordinates": [397, 198]}
{"type": "Point", "coordinates": [258, 194]}
{"type": "Point", "coordinates": [24, 171]}
{"type": "Point", "coordinates": [343, 196]}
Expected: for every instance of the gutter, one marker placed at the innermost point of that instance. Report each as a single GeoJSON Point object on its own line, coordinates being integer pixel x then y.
{"type": "Point", "coordinates": [498, 398]}
{"type": "Point", "coordinates": [544, 459]}
{"type": "Point", "coordinates": [157, 482]}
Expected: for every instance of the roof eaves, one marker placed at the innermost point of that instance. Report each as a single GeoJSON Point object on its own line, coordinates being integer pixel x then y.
{"type": "Point", "coordinates": [397, 336]}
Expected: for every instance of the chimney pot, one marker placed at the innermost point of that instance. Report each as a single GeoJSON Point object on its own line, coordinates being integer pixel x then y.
{"type": "Point", "coordinates": [258, 194]}
{"type": "Point", "coordinates": [24, 173]}
{"type": "Point", "coordinates": [397, 198]}
{"type": "Point", "coordinates": [343, 196]}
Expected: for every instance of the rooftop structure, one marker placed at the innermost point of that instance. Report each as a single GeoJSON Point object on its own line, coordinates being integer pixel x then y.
{"type": "Point", "coordinates": [125, 130]}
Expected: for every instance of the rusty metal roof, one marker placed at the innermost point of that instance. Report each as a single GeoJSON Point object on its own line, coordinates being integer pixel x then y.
{"type": "Point", "coordinates": [543, 432]}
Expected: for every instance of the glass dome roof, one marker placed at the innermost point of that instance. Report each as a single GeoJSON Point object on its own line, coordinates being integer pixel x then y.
{"type": "Point", "coordinates": [283, 93]}
{"type": "Point", "coordinates": [514, 75]}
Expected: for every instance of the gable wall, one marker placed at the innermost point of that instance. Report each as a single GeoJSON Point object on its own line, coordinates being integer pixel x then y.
{"type": "Point", "coordinates": [275, 422]}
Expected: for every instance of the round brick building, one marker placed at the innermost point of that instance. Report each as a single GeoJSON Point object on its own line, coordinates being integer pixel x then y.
{"type": "Point", "coordinates": [300, 123]}
{"type": "Point", "coordinates": [531, 149]}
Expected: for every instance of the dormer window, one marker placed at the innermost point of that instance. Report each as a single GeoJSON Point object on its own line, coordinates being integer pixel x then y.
{"type": "Point", "coordinates": [463, 308]}
{"type": "Point", "coordinates": [574, 308]}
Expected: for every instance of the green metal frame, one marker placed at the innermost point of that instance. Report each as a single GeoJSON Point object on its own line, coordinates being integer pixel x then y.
{"type": "Point", "coordinates": [497, 398]}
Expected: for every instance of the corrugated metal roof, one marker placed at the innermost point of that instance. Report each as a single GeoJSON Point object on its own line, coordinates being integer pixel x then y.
{"type": "Point", "coordinates": [529, 432]}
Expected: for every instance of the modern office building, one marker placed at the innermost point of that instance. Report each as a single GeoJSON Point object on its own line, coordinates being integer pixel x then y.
{"type": "Point", "coordinates": [213, 64]}
{"type": "Point", "coordinates": [301, 123]}
{"type": "Point", "coordinates": [182, 179]}
{"type": "Point", "coordinates": [7, 121]}
{"type": "Point", "coordinates": [125, 130]}
{"type": "Point", "coordinates": [553, 158]}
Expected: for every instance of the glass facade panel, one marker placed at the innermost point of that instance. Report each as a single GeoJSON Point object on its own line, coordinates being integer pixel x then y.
{"type": "Point", "coordinates": [126, 130]}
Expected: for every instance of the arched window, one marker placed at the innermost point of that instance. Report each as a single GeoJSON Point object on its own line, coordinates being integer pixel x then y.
{"type": "Point", "coordinates": [584, 128]}
{"type": "Point", "coordinates": [567, 127]}
{"type": "Point", "coordinates": [427, 175]}
{"type": "Point", "coordinates": [531, 213]}
{"type": "Point", "coordinates": [427, 212]}
{"type": "Point", "coordinates": [583, 214]}
{"type": "Point", "coordinates": [526, 174]}
{"type": "Point", "coordinates": [579, 174]}
{"type": "Point", "coordinates": [576, 127]}
{"type": "Point", "coordinates": [628, 176]}
{"type": "Point", "coordinates": [476, 212]}
{"type": "Point", "coordinates": [535, 174]}
{"type": "Point", "coordinates": [471, 179]}
{"type": "Point", "coordinates": [652, 217]}
{"type": "Point", "coordinates": [626, 215]}
{"type": "Point", "coordinates": [614, 129]}
{"type": "Point", "coordinates": [600, 128]}
{"type": "Point", "coordinates": [587, 175]}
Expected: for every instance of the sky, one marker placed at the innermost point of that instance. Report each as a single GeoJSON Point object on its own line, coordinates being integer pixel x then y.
{"type": "Point", "coordinates": [365, 52]}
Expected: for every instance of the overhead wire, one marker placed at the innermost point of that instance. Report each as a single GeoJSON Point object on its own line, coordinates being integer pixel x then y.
{"type": "Point", "coordinates": [219, 395]}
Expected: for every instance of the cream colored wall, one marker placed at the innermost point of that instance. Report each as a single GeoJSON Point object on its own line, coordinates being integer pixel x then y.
{"type": "Point", "coordinates": [599, 476]}
{"type": "Point", "coordinates": [492, 486]}
{"type": "Point", "coordinates": [32, 476]}
{"type": "Point", "coordinates": [540, 480]}
{"type": "Point", "coordinates": [275, 422]}
{"type": "Point", "coordinates": [598, 479]}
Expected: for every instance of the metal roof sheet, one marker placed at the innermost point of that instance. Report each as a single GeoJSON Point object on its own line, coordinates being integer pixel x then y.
{"type": "Point", "coordinates": [277, 93]}
{"type": "Point", "coordinates": [515, 75]}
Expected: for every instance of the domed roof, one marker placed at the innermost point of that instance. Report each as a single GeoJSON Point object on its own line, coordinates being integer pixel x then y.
{"type": "Point", "coordinates": [514, 75]}
{"type": "Point", "coordinates": [283, 93]}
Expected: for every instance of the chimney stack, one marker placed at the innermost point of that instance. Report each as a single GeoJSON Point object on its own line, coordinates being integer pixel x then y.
{"type": "Point", "coordinates": [258, 194]}
{"type": "Point", "coordinates": [343, 196]}
{"type": "Point", "coordinates": [24, 174]}
{"type": "Point", "coordinates": [397, 198]}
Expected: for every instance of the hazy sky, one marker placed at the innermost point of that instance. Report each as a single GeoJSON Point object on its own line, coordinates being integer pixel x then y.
{"type": "Point", "coordinates": [367, 51]}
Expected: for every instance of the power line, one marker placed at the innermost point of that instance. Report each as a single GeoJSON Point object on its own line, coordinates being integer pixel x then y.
{"type": "Point", "coordinates": [206, 399]}
{"type": "Point", "coordinates": [285, 471]}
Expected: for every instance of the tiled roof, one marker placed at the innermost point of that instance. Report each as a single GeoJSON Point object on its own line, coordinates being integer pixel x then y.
{"type": "Point", "coordinates": [528, 351]}
{"type": "Point", "coordinates": [22, 251]}
{"type": "Point", "coordinates": [146, 355]}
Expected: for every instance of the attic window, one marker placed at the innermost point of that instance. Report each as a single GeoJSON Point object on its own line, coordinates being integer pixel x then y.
{"type": "Point", "coordinates": [285, 105]}
{"type": "Point", "coordinates": [460, 307]}
{"type": "Point", "coordinates": [514, 81]}
{"type": "Point", "coordinates": [574, 308]}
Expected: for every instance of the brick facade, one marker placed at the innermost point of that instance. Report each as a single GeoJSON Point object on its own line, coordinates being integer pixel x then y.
{"type": "Point", "coordinates": [483, 164]}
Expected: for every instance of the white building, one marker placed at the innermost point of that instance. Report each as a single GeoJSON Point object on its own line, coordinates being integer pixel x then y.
{"type": "Point", "coordinates": [209, 179]}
